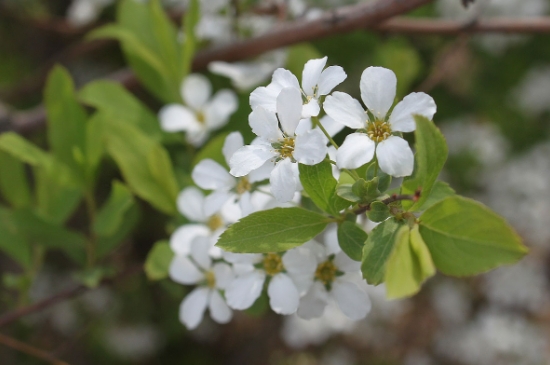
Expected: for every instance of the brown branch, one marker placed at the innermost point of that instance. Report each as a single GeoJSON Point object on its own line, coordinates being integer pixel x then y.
{"type": "Point", "coordinates": [60, 297]}
{"type": "Point", "coordinates": [30, 350]}
{"type": "Point", "coordinates": [451, 27]}
{"type": "Point", "coordinates": [362, 208]}
{"type": "Point", "coordinates": [345, 19]}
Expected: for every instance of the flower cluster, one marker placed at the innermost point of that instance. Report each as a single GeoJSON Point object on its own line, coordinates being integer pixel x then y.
{"type": "Point", "coordinates": [294, 124]}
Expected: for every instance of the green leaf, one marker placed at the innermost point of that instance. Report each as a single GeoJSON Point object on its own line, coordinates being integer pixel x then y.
{"type": "Point", "coordinates": [319, 184]}
{"type": "Point", "coordinates": [166, 38]}
{"type": "Point", "coordinates": [351, 239]}
{"type": "Point", "coordinates": [111, 215]}
{"type": "Point", "coordinates": [54, 202]}
{"type": "Point", "coordinates": [158, 261]}
{"type": "Point", "coordinates": [121, 106]}
{"type": "Point", "coordinates": [409, 265]}
{"type": "Point", "coordinates": [384, 180]}
{"type": "Point", "coordinates": [440, 191]}
{"type": "Point", "coordinates": [431, 154]}
{"type": "Point", "coordinates": [367, 191]}
{"type": "Point", "coordinates": [190, 21]}
{"type": "Point", "coordinates": [66, 119]}
{"type": "Point", "coordinates": [145, 165]}
{"type": "Point", "coordinates": [106, 245]}
{"type": "Point", "coordinates": [93, 277]}
{"type": "Point", "coordinates": [378, 211]}
{"type": "Point", "coordinates": [466, 238]}
{"type": "Point", "coordinates": [14, 186]}
{"type": "Point", "coordinates": [273, 230]}
{"type": "Point", "coordinates": [94, 147]}
{"type": "Point", "coordinates": [12, 242]}
{"type": "Point", "coordinates": [377, 250]}
{"type": "Point", "coordinates": [345, 191]}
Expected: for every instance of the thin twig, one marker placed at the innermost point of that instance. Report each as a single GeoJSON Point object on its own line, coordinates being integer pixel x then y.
{"type": "Point", "coordinates": [60, 297]}
{"type": "Point", "coordinates": [30, 350]}
{"type": "Point", "coordinates": [362, 208]}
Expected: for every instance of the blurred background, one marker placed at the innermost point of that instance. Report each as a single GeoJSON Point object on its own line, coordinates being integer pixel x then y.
{"type": "Point", "coordinates": [493, 97]}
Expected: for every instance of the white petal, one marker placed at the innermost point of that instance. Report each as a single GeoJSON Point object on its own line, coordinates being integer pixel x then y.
{"type": "Point", "coordinates": [311, 74]}
{"type": "Point", "coordinates": [283, 182]}
{"type": "Point", "coordinates": [245, 289]}
{"type": "Point", "coordinates": [199, 252]}
{"type": "Point", "coordinates": [242, 258]}
{"type": "Point", "coordinates": [261, 173]}
{"type": "Point", "coordinates": [177, 118]}
{"type": "Point", "coordinates": [219, 109]}
{"type": "Point", "coordinates": [265, 97]}
{"type": "Point", "coordinates": [310, 148]}
{"type": "Point", "coordinates": [345, 264]}
{"type": "Point", "coordinates": [352, 301]}
{"type": "Point", "coordinates": [346, 110]}
{"type": "Point", "coordinates": [331, 240]}
{"type": "Point", "coordinates": [215, 201]}
{"type": "Point", "coordinates": [357, 150]}
{"type": "Point", "coordinates": [192, 308]}
{"type": "Point", "coordinates": [289, 109]}
{"type": "Point", "coordinates": [304, 126]}
{"type": "Point", "coordinates": [182, 238]}
{"type": "Point", "coordinates": [401, 118]}
{"type": "Point", "coordinates": [219, 311]}
{"type": "Point", "coordinates": [198, 137]}
{"type": "Point", "coordinates": [232, 143]}
{"type": "Point", "coordinates": [210, 175]}
{"type": "Point", "coordinates": [313, 304]}
{"type": "Point", "coordinates": [330, 78]}
{"type": "Point", "coordinates": [378, 86]}
{"type": "Point", "coordinates": [300, 264]}
{"type": "Point", "coordinates": [224, 275]}
{"type": "Point", "coordinates": [245, 203]}
{"type": "Point", "coordinates": [190, 203]}
{"type": "Point", "coordinates": [395, 157]}
{"type": "Point", "coordinates": [283, 295]}
{"type": "Point", "coordinates": [183, 271]}
{"type": "Point", "coordinates": [264, 123]}
{"type": "Point", "coordinates": [283, 78]}
{"type": "Point", "coordinates": [331, 126]}
{"type": "Point", "coordinates": [248, 158]}
{"type": "Point", "coordinates": [311, 109]}
{"type": "Point", "coordinates": [195, 91]}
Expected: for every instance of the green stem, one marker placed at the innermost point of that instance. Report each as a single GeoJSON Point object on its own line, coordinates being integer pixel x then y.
{"type": "Point", "coordinates": [316, 122]}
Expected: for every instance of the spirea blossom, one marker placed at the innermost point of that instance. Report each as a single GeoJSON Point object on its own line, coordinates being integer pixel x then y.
{"type": "Point", "coordinates": [203, 112]}
{"type": "Point", "coordinates": [376, 131]}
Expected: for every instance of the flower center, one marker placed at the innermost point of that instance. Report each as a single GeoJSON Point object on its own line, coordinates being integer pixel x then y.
{"type": "Point", "coordinates": [201, 118]}
{"type": "Point", "coordinates": [378, 130]}
{"type": "Point", "coordinates": [243, 185]}
{"type": "Point", "coordinates": [210, 279]}
{"type": "Point", "coordinates": [287, 147]}
{"type": "Point", "coordinates": [273, 264]}
{"type": "Point", "coordinates": [326, 272]}
{"type": "Point", "coordinates": [215, 222]}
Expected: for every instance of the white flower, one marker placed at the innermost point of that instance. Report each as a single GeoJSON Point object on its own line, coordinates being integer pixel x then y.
{"type": "Point", "coordinates": [245, 75]}
{"type": "Point", "coordinates": [202, 113]}
{"type": "Point", "coordinates": [210, 277]}
{"type": "Point", "coordinates": [207, 222]}
{"type": "Point", "coordinates": [337, 278]}
{"type": "Point", "coordinates": [279, 145]}
{"type": "Point", "coordinates": [290, 276]}
{"type": "Point", "coordinates": [210, 175]}
{"type": "Point", "coordinates": [316, 82]}
{"type": "Point", "coordinates": [375, 133]}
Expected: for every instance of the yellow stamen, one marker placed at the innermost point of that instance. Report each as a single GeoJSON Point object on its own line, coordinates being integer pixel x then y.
{"type": "Point", "coordinates": [287, 147]}
{"type": "Point", "coordinates": [243, 185]}
{"type": "Point", "coordinates": [326, 272]}
{"type": "Point", "coordinates": [273, 264]}
{"type": "Point", "coordinates": [215, 222]}
{"type": "Point", "coordinates": [378, 130]}
{"type": "Point", "coordinates": [210, 279]}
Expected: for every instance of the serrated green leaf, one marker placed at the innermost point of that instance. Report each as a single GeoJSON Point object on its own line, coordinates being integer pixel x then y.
{"type": "Point", "coordinates": [122, 106]}
{"type": "Point", "coordinates": [273, 230]}
{"type": "Point", "coordinates": [377, 250]}
{"type": "Point", "coordinates": [14, 186]}
{"type": "Point", "coordinates": [378, 211]}
{"type": "Point", "coordinates": [145, 165]}
{"type": "Point", "coordinates": [66, 119]}
{"type": "Point", "coordinates": [319, 184]}
{"type": "Point", "coordinates": [351, 239]}
{"type": "Point", "coordinates": [111, 215]}
{"type": "Point", "coordinates": [440, 191]}
{"type": "Point", "coordinates": [431, 154]}
{"type": "Point", "coordinates": [467, 238]}
{"type": "Point", "coordinates": [158, 261]}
